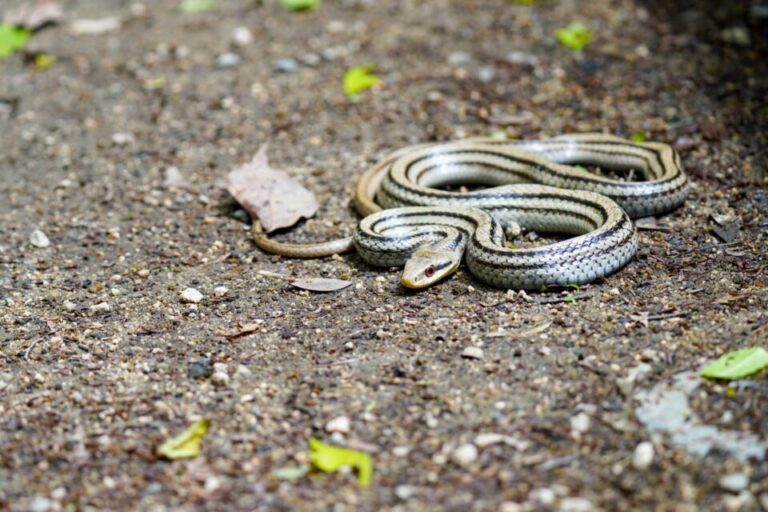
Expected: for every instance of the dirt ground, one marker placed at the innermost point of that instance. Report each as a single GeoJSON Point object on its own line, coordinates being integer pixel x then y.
{"type": "Point", "coordinates": [101, 361]}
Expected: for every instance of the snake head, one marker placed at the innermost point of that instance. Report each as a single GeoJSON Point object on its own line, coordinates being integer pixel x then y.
{"type": "Point", "coordinates": [427, 266]}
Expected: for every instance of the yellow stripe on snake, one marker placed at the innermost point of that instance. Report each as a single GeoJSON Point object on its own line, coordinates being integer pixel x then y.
{"type": "Point", "coordinates": [410, 220]}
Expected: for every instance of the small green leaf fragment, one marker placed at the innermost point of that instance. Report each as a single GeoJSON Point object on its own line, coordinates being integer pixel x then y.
{"type": "Point", "coordinates": [371, 406]}
{"type": "Point", "coordinates": [186, 444]}
{"type": "Point", "coordinates": [359, 79]}
{"type": "Point", "coordinates": [44, 61]}
{"type": "Point", "coordinates": [299, 5]}
{"type": "Point", "coordinates": [639, 136]}
{"type": "Point", "coordinates": [570, 299]}
{"type": "Point", "coordinates": [523, 2]}
{"type": "Point", "coordinates": [329, 459]}
{"type": "Point", "coordinates": [12, 38]}
{"type": "Point", "coordinates": [197, 6]}
{"type": "Point", "coordinates": [575, 36]}
{"type": "Point", "coordinates": [738, 364]}
{"type": "Point", "coordinates": [291, 472]}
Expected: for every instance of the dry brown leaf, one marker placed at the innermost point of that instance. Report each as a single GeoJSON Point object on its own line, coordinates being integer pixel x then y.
{"type": "Point", "coordinates": [321, 284]}
{"type": "Point", "coordinates": [34, 15]}
{"type": "Point", "coordinates": [269, 194]}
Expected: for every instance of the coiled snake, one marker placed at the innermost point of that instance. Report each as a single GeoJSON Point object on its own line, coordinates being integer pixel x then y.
{"type": "Point", "coordinates": [428, 229]}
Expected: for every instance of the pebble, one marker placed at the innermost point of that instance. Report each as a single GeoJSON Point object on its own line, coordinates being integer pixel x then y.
{"type": "Point", "coordinates": [101, 307]}
{"type": "Point", "coordinates": [220, 291]}
{"type": "Point", "coordinates": [457, 58]}
{"type": "Point", "coordinates": [287, 66]}
{"type": "Point", "coordinates": [69, 305]}
{"type": "Point", "coordinates": [736, 35]}
{"type": "Point", "coordinates": [404, 491]}
{"type": "Point", "coordinates": [575, 504]}
{"type": "Point", "coordinates": [544, 496]}
{"type": "Point", "coordinates": [227, 60]}
{"type": "Point", "coordinates": [472, 353]}
{"type": "Point", "coordinates": [220, 367]}
{"type": "Point", "coordinates": [488, 438]}
{"type": "Point", "coordinates": [242, 36]}
{"type": "Point", "coordinates": [642, 458]}
{"type": "Point", "coordinates": [580, 423]}
{"type": "Point", "coordinates": [122, 138]}
{"type": "Point", "coordinates": [511, 506]}
{"type": "Point", "coordinates": [39, 239]}
{"type": "Point", "coordinates": [464, 455]}
{"type": "Point", "coordinates": [243, 371]}
{"type": "Point", "coordinates": [764, 501]}
{"type": "Point", "coordinates": [220, 379]}
{"type": "Point", "coordinates": [486, 74]}
{"type": "Point", "coordinates": [41, 504]}
{"type": "Point", "coordinates": [340, 424]}
{"type": "Point", "coordinates": [200, 369]}
{"type": "Point", "coordinates": [191, 296]}
{"type": "Point", "coordinates": [734, 482]}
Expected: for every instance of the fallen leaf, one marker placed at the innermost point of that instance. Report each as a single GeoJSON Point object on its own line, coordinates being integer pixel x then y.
{"type": "Point", "coordinates": [196, 6]}
{"type": "Point", "coordinates": [245, 330]}
{"type": "Point", "coordinates": [44, 61]}
{"type": "Point", "coordinates": [270, 195]}
{"type": "Point", "coordinates": [575, 36]}
{"type": "Point", "coordinates": [738, 364]}
{"type": "Point", "coordinates": [186, 444]}
{"type": "Point", "coordinates": [359, 79]}
{"type": "Point", "coordinates": [321, 284]}
{"type": "Point", "coordinates": [291, 472]}
{"type": "Point", "coordinates": [12, 38]}
{"type": "Point", "coordinates": [96, 26]}
{"type": "Point", "coordinates": [34, 15]}
{"type": "Point", "coordinates": [639, 136]}
{"type": "Point", "coordinates": [299, 5]}
{"type": "Point", "coordinates": [329, 459]}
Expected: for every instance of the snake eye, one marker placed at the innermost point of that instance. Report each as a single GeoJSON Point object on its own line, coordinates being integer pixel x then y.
{"type": "Point", "coordinates": [429, 271]}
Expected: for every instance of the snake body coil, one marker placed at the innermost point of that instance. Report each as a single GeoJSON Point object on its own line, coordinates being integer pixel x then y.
{"type": "Point", "coordinates": [532, 185]}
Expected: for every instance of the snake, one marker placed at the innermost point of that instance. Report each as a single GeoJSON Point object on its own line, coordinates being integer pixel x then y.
{"type": "Point", "coordinates": [413, 219]}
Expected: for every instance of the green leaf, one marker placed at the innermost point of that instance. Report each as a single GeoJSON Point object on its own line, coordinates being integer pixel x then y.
{"type": "Point", "coordinates": [639, 136]}
{"type": "Point", "coordinates": [358, 79]}
{"type": "Point", "coordinates": [737, 364]}
{"type": "Point", "coordinates": [291, 472]}
{"type": "Point", "coordinates": [44, 61]}
{"type": "Point", "coordinates": [12, 38]}
{"type": "Point", "coordinates": [299, 5]}
{"type": "Point", "coordinates": [570, 299]}
{"type": "Point", "coordinates": [329, 459]}
{"type": "Point", "coordinates": [195, 6]}
{"type": "Point", "coordinates": [186, 444]}
{"type": "Point", "coordinates": [575, 36]}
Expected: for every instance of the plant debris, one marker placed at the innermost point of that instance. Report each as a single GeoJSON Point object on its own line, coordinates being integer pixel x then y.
{"type": "Point", "coordinates": [329, 459]}
{"type": "Point", "coordinates": [186, 444]}
{"type": "Point", "coordinates": [738, 364]}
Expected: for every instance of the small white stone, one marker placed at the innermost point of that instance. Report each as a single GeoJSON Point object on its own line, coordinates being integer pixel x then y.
{"type": "Point", "coordinates": [575, 504]}
{"type": "Point", "coordinates": [464, 455]}
{"type": "Point", "coordinates": [220, 379]}
{"type": "Point", "coordinates": [580, 423]}
{"type": "Point", "coordinates": [472, 353]}
{"type": "Point", "coordinates": [242, 36]}
{"type": "Point", "coordinates": [404, 491]}
{"type": "Point", "coordinates": [488, 438]}
{"type": "Point", "coordinates": [101, 307]}
{"type": "Point", "coordinates": [39, 239]}
{"type": "Point", "coordinates": [340, 424]}
{"type": "Point", "coordinates": [220, 367]}
{"type": "Point", "coordinates": [121, 139]}
{"type": "Point", "coordinates": [734, 482]}
{"type": "Point", "coordinates": [69, 305]}
{"type": "Point", "coordinates": [243, 371]}
{"type": "Point", "coordinates": [227, 60]}
{"type": "Point", "coordinates": [764, 501]}
{"type": "Point", "coordinates": [401, 451]}
{"type": "Point", "coordinates": [191, 296]}
{"type": "Point", "coordinates": [220, 291]}
{"type": "Point", "coordinates": [544, 496]}
{"type": "Point", "coordinates": [41, 504]}
{"type": "Point", "coordinates": [511, 506]}
{"type": "Point", "coordinates": [642, 458]}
